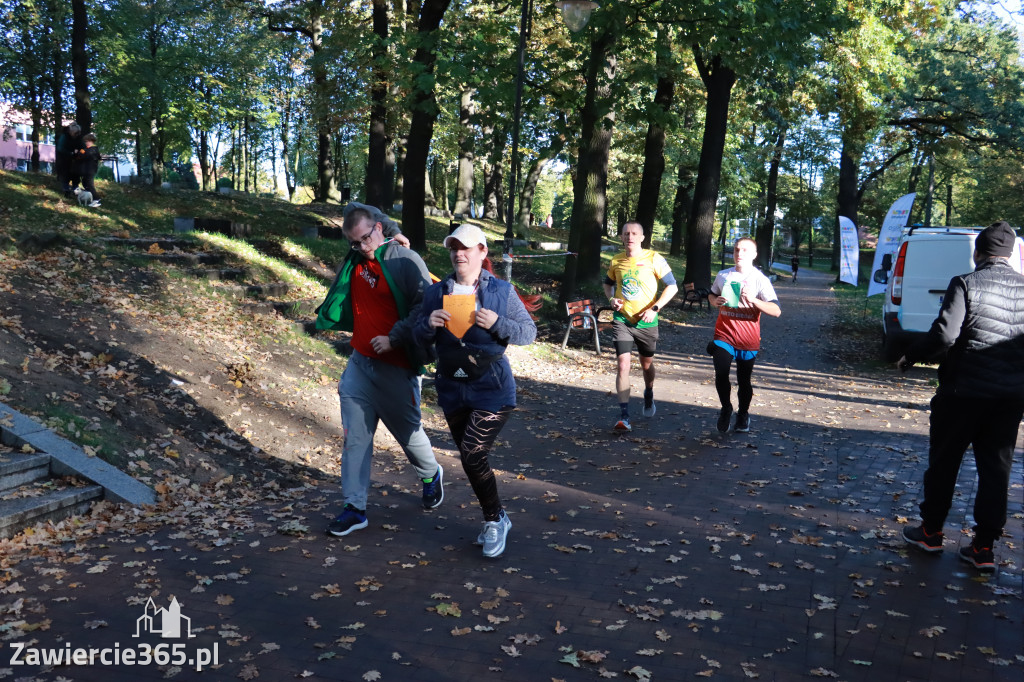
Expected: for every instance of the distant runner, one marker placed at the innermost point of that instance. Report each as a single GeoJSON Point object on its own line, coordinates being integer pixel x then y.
{"type": "Point", "coordinates": [631, 286]}
{"type": "Point", "coordinates": [738, 329]}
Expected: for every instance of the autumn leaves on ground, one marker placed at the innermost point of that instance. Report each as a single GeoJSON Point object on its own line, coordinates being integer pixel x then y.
{"type": "Point", "coordinates": [668, 553]}
{"type": "Point", "coordinates": [158, 364]}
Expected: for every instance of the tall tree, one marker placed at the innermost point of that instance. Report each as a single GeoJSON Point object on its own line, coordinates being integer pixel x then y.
{"type": "Point", "coordinates": [732, 41]}
{"type": "Point", "coordinates": [467, 157]}
{"type": "Point", "coordinates": [597, 117]}
{"type": "Point", "coordinates": [654, 144]}
{"type": "Point", "coordinates": [378, 184]}
{"type": "Point", "coordinates": [423, 104]}
{"type": "Point", "coordinates": [80, 63]}
{"type": "Point", "coordinates": [307, 18]}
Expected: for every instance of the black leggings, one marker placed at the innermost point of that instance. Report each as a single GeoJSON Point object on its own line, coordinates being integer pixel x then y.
{"type": "Point", "coordinates": [744, 369]}
{"type": "Point", "coordinates": [474, 432]}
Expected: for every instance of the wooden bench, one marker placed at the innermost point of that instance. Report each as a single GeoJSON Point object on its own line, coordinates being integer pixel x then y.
{"type": "Point", "coordinates": [693, 296]}
{"type": "Point", "coordinates": [585, 314]}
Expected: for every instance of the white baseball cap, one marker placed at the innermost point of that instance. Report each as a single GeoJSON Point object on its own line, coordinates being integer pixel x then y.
{"type": "Point", "coordinates": [466, 234]}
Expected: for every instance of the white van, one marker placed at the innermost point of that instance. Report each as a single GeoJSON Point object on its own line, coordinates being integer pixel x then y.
{"type": "Point", "coordinates": [926, 258]}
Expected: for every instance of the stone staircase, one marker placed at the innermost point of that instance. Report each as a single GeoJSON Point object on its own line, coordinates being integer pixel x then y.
{"type": "Point", "coordinates": [44, 477]}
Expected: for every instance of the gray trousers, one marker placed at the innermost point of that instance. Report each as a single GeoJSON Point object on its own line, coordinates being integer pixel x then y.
{"type": "Point", "coordinates": [372, 391]}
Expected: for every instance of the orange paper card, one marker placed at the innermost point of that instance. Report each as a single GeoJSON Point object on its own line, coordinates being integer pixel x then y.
{"type": "Point", "coordinates": [461, 307]}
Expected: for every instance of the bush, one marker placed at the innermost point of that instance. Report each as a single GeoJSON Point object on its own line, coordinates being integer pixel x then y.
{"type": "Point", "coordinates": [225, 182]}
{"type": "Point", "coordinates": [105, 173]}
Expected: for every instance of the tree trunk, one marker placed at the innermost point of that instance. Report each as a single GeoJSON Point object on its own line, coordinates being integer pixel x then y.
{"type": "Point", "coordinates": [464, 183]}
{"type": "Point", "coordinates": [654, 146]}
{"type": "Point", "coordinates": [421, 129]}
{"type": "Point", "coordinates": [428, 193]}
{"type": "Point", "coordinates": [524, 223]}
{"type": "Point", "coordinates": [243, 140]}
{"type": "Point", "coordinates": [949, 202]}
{"type": "Point", "coordinates": [325, 189]}
{"type": "Point", "coordinates": [766, 230]}
{"type": "Point", "coordinates": [55, 62]}
{"type": "Point", "coordinates": [377, 182]}
{"type": "Point", "coordinates": [442, 186]}
{"type": "Point", "coordinates": [204, 158]}
{"type": "Point", "coordinates": [718, 79]}
{"type": "Point", "coordinates": [35, 95]}
{"type": "Point", "coordinates": [80, 64]}
{"type": "Point", "coordinates": [591, 182]}
{"type": "Point", "coordinates": [399, 168]}
{"type": "Point", "coordinates": [681, 207]}
{"type": "Point", "coordinates": [138, 150]}
{"type": "Point", "coordinates": [849, 198]}
{"type": "Point", "coordinates": [286, 119]}
{"type": "Point", "coordinates": [296, 161]}
{"type": "Point", "coordinates": [494, 190]}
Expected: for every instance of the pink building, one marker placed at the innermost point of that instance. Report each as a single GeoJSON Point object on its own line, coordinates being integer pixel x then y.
{"type": "Point", "coordinates": [16, 141]}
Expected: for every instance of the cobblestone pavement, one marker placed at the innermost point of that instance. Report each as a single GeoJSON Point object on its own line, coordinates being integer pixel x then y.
{"type": "Point", "coordinates": [673, 552]}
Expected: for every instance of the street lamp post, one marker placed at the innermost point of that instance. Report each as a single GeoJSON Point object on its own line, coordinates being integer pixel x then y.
{"type": "Point", "coordinates": [576, 14]}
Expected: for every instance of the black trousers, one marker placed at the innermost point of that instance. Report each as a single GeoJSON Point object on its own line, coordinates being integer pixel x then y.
{"type": "Point", "coordinates": [991, 427]}
{"type": "Point", "coordinates": [744, 371]}
{"type": "Point", "coordinates": [474, 432]}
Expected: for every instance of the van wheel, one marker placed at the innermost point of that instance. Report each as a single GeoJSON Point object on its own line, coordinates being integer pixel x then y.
{"type": "Point", "coordinates": [892, 350]}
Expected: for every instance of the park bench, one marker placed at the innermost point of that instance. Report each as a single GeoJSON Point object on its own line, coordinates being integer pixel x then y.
{"type": "Point", "coordinates": [693, 296]}
{"type": "Point", "coordinates": [586, 315]}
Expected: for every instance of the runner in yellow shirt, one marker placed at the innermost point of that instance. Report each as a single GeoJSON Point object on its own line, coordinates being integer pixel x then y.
{"type": "Point", "coordinates": [631, 286]}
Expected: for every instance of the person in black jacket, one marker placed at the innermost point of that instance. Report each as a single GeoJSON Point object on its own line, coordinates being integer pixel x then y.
{"type": "Point", "coordinates": [68, 144]}
{"type": "Point", "coordinates": [980, 398]}
{"type": "Point", "coordinates": [87, 160]}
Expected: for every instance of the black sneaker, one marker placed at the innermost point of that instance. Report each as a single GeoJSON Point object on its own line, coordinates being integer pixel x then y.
{"type": "Point", "coordinates": [348, 520]}
{"type": "Point", "coordinates": [981, 558]}
{"type": "Point", "coordinates": [742, 423]}
{"type": "Point", "coordinates": [649, 407]}
{"type": "Point", "coordinates": [433, 490]}
{"type": "Point", "coordinates": [923, 540]}
{"type": "Point", "coordinates": [724, 417]}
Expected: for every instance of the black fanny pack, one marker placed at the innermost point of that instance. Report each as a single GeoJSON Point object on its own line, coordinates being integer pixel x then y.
{"type": "Point", "coordinates": [462, 363]}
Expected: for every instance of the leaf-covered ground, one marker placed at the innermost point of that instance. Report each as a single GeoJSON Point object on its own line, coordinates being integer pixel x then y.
{"type": "Point", "coordinates": [669, 553]}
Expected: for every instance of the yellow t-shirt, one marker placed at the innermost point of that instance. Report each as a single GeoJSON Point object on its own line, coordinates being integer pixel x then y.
{"type": "Point", "coordinates": [636, 283]}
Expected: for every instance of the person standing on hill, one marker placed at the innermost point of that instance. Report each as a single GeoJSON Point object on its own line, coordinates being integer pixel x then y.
{"type": "Point", "coordinates": [980, 398]}
{"type": "Point", "coordinates": [68, 144]}
{"type": "Point", "coordinates": [631, 285]}
{"type": "Point", "coordinates": [87, 162]}
{"type": "Point", "coordinates": [738, 330]}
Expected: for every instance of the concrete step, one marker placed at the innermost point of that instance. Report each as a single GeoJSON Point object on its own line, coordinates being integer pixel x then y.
{"type": "Point", "coordinates": [165, 243]}
{"type": "Point", "coordinates": [287, 309]}
{"type": "Point", "coordinates": [220, 274]}
{"type": "Point", "coordinates": [22, 508]}
{"type": "Point", "coordinates": [17, 469]}
{"type": "Point", "coordinates": [184, 258]}
{"type": "Point", "coordinates": [270, 289]}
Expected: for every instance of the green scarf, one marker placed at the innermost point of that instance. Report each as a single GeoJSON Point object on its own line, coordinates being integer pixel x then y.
{"type": "Point", "coordinates": [335, 313]}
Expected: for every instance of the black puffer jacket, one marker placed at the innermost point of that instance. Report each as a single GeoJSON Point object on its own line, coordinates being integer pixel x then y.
{"type": "Point", "coordinates": [981, 323]}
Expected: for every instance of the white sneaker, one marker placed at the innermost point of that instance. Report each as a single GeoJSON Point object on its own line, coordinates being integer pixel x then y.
{"type": "Point", "coordinates": [494, 535]}
{"type": "Point", "coordinates": [94, 204]}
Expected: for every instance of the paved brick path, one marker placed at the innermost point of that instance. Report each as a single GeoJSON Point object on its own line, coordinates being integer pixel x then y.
{"type": "Point", "coordinates": [671, 553]}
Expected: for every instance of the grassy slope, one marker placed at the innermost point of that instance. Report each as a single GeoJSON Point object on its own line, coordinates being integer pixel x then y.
{"type": "Point", "coordinates": [147, 363]}
{"type": "Point", "coordinates": [163, 372]}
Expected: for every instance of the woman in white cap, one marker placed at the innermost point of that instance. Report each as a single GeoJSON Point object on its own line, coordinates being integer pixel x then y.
{"type": "Point", "coordinates": [470, 316]}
